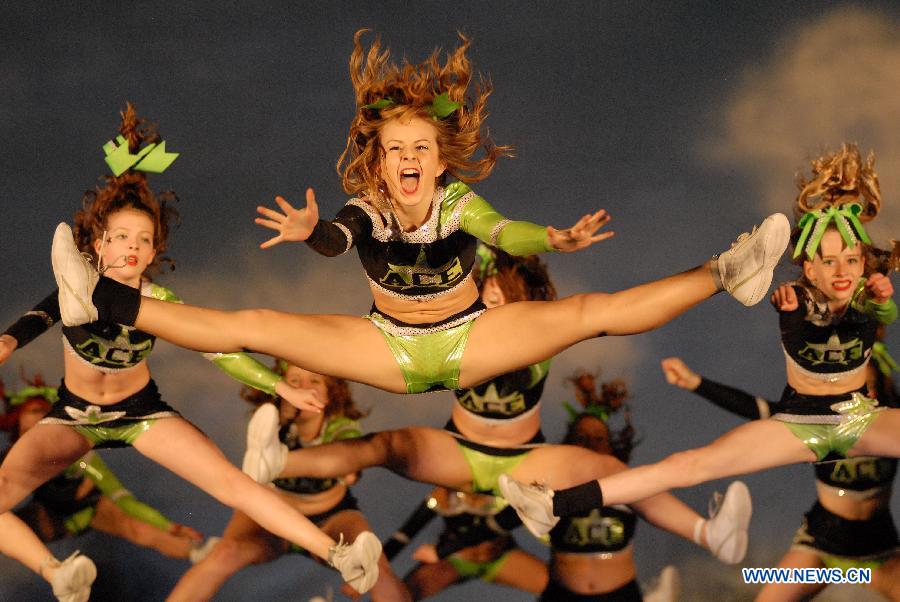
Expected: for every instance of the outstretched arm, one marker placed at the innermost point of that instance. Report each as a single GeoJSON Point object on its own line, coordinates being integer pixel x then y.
{"type": "Point", "coordinates": [247, 370]}
{"type": "Point", "coordinates": [731, 399]}
{"type": "Point", "coordinates": [481, 220]}
{"type": "Point", "coordinates": [31, 325]}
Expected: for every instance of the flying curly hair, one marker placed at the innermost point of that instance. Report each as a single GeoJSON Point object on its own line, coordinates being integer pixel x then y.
{"type": "Point", "coordinates": [128, 191]}
{"type": "Point", "coordinates": [412, 90]}
{"type": "Point", "coordinates": [609, 400]}
{"type": "Point", "coordinates": [839, 178]}
{"type": "Point", "coordinates": [519, 278]}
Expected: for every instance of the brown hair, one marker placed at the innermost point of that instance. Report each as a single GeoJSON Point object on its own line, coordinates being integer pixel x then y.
{"type": "Point", "coordinates": [9, 420]}
{"type": "Point", "coordinates": [611, 398]}
{"type": "Point", "coordinates": [519, 278]}
{"type": "Point", "coordinates": [340, 400]}
{"type": "Point", "coordinates": [128, 191]}
{"type": "Point", "coordinates": [839, 178]}
{"type": "Point", "coordinates": [413, 88]}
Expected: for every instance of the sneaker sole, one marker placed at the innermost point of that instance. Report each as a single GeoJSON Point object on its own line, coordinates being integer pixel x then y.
{"type": "Point", "coordinates": [60, 259]}
{"type": "Point", "coordinates": [371, 551]}
{"type": "Point", "coordinates": [536, 527]}
{"type": "Point", "coordinates": [778, 243]}
{"type": "Point", "coordinates": [262, 429]}
{"type": "Point", "coordinates": [739, 492]}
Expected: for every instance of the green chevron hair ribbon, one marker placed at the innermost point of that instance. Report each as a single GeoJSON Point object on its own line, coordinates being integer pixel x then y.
{"type": "Point", "coordinates": [813, 224]}
{"type": "Point", "coordinates": [487, 261]}
{"type": "Point", "coordinates": [440, 108]}
{"type": "Point", "coordinates": [886, 364]}
{"type": "Point", "coordinates": [23, 395]}
{"type": "Point", "coordinates": [591, 410]}
{"type": "Point", "coordinates": [152, 158]}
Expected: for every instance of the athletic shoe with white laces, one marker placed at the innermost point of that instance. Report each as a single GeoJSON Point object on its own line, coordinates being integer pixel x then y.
{"type": "Point", "coordinates": [666, 587]}
{"type": "Point", "coordinates": [75, 277]}
{"type": "Point", "coordinates": [266, 455]}
{"type": "Point", "coordinates": [726, 530]}
{"type": "Point", "coordinates": [746, 269]}
{"type": "Point", "coordinates": [533, 503]}
{"type": "Point", "coordinates": [357, 562]}
{"type": "Point", "coordinates": [201, 551]}
{"type": "Point", "coordinates": [73, 578]}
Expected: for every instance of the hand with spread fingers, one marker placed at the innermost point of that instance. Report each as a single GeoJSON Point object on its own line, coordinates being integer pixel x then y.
{"type": "Point", "coordinates": [293, 224]}
{"type": "Point", "coordinates": [581, 235]}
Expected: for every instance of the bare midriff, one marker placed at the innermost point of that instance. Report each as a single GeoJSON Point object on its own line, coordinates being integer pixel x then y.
{"type": "Point", "coordinates": [849, 507]}
{"type": "Point", "coordinates": [807, 385]}
{"type": "Point", "coordinates": [427, 311]}
{"type": "Point", "coordinates": [315, 503]}
{"type": "Point", "coordinates": [593, 573]}
{"type": "Point", "coordinates": [496, 433]}
{"type": "Point", "coordinates": [103, 388]}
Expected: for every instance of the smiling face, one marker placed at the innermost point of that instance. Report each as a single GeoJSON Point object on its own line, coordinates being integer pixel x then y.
{"type": "Point", "coordinates": [128, 249]}
{"type": "Point", "coordinates": [410, 162]}
{"type": "Point", "coordinates": [835, 269]}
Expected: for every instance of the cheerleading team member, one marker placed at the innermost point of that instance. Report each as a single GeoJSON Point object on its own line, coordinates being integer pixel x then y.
{"type": "Point", "coordinates": [828, 319]}
{"type": "Point", "coordinates": [475, 543]}
{"type": "Point", "coordinates": [415, 235]}
{"type": "Point", "coordinates": [494, 428]}
{"type": "Point", "coordinates": [108, 398]}
{"type": "Point", "coordinates": [850, 525]}
{"type": "Point", "coordinates": [326, 502]}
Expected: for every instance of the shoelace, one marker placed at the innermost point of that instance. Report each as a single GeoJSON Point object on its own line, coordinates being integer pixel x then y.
{"type": "Point", "coordinates": [101, 269]}
{"type": "Point", "coordinates": [742, 237]}
{"type": "Point", "coordinates": [52, 562]}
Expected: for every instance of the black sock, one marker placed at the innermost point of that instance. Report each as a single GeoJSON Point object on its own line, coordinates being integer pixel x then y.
{"type": "Point", "coordinates": [578, 500]}
{"type": "Point", "coordinates": [116, 302]}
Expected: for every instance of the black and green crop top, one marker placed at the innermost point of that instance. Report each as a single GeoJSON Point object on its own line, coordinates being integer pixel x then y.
{"type": "Point", "coordinates": [826, 346]}
{"type": "Point", "coordinates": [436, 258]}
{"type": "Point", "coordinates": [334, 428]}
{"type": "Point", "coordinates": [105, 346]}
{"type": "Point", "coordinates": [508, 396]}
{"type": "Point", "coordinates": [602, 531]}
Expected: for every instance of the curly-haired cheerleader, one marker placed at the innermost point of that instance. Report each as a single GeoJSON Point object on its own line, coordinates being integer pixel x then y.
{"type": "Point", "coordinates": [850, 525]}
{"type": "Point", "coordinates": [828, 322]}
{"type": "Point", "coordinates": [108, 398]}
{"type": "Point", "coordinates": [326, 502]}
{"type": "Point", "coordinates": [416, 235]}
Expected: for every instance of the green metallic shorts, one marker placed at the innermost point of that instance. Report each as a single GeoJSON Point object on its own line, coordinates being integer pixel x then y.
{"type": "Point", "coordinates": [115, 425]}
{"type": "Point", "coordinates": [840, 433]}
{"type": "Point", "coordinates": [486, 571]}
{"type": "Point", "coordinates": [428, 355]}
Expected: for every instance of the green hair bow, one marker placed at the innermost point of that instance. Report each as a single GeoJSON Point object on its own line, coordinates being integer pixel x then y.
{"type": "Point", "coordinates": [886, 364]}
{"type": "Point", "coordinates": [813, 224]}
{"type": "Point", "coordinates": [23, 395]}
{"type": "Point", "coordinates": [152, 158]}
{"type": "Point", "coordinates": [440, 108]}
{"type": "Point", "coordinates": [592, 410]}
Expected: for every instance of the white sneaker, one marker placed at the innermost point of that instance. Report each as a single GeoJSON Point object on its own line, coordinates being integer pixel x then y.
{"type": "Point", "coordinates": [75, 277]}
{"type": "Point", "coordinates": [201, 551]}
{"type": "Point", "coordinates": [746, 269]}
{"type": "Point", "coordinates": [266, 455]}
{"type": "Point", "coordinates": [73, 578]}
{"type": "Point", "coordinates": [726, 530]}
{"type": "Point", "coordinates": [357, 562]}
{"type": "Point", "coordinates": [667, 586]}
{"type": "Point", "coordinates": [533, 503]}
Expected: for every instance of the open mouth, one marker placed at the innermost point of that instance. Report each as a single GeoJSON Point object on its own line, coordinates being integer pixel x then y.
{"type": "Point", "coordinates": [409, 179]}
{"type": "Point", "coordinates": [131, 260]}
{"type": "Point", "coordinates": [841, 285]}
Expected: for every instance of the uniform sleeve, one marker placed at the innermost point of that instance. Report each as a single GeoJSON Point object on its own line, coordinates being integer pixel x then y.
{"type": "Point", "coordinates": [417, 521]}
{"type": "Point", "coordinates": [246, 370]}
{"type": "Point", "coordinates": [96, 470]}
{"type": "Point", "coordinates": [885, 312]}
{"type": "Point", "coordinates": [482, 221]}
{"type": "Point", "coordinates": [336, 237]}
{"type": "Point", "coordinates": [36, 321]}
{"type": "Point", "coordinates": [734, 400]}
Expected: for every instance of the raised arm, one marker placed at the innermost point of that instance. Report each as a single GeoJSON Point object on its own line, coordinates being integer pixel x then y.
{"type": "Point", "coordinates": [731, 399]}
{"type": "Point", "coordinates": [481, 220]}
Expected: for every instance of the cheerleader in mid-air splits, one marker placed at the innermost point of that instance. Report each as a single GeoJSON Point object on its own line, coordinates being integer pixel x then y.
{"type": "Point", "coordinates": [87, 495]}
{"type": "Point", "coordinates": [829, 320]}
{"type": "Point", "coordinates": [850, 525]}
{"type": "Point", "coordinates": [108, 397]}
{"type": "Point", "coordinates": [328, 503]}
{"type": "Point", "coordinates": [416, 235]}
